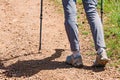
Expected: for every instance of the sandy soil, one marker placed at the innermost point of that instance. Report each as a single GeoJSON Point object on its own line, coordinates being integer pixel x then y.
{"type": "Point", "coordinates": [19, 42]}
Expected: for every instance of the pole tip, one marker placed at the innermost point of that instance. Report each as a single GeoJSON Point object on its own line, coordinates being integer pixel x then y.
{"type": "Point", "coordinates": [39, 51]}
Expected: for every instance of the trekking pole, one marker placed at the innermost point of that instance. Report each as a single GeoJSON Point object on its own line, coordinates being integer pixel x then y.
{"type": "Point", "coordinates": [102, 6]}
{"type": "Point", "coordinates": [41, 10]}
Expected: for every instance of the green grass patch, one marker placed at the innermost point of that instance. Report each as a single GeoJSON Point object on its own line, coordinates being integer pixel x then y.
{"type": "Point", "coordinates": [112, 27]}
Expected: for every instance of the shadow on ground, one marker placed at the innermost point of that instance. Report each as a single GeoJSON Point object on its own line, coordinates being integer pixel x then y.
{"type": "Point", "coordinates": [32, 67]}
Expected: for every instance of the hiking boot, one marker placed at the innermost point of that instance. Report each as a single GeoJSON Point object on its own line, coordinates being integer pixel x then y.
{"type": "Point", "coordinates": [74, 61]}
{"type": "Point", "coordinates": [101, 59]}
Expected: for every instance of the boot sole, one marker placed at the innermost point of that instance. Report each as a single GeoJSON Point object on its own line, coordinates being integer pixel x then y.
{"type": "Point", "coordinates": [101, 63]}
{"type": "Point", "coordinates": [76, 66]}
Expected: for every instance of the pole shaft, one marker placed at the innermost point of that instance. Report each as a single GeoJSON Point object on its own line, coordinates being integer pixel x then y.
{"type": "Point", "coordinates": [102, 10]}
{"type": "Point", "coordinates": [41, 10]}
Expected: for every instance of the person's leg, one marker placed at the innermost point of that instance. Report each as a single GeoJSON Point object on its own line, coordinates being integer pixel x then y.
{"type": "Point", "coordinates": [72, 32]}
{"type": "Point", "coordinates": [71, 23]}
{"type": "Point", "coordinates": [97, 31]}
{"type": "Point", "coordinates": [95, 23]}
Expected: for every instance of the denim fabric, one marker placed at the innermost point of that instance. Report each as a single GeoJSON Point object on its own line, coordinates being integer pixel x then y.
{"type": "Point", "coordinates": [93, 18]}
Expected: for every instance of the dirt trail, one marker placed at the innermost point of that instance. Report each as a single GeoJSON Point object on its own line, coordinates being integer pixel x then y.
{"type": "Point", "coordinates": [19, 41]}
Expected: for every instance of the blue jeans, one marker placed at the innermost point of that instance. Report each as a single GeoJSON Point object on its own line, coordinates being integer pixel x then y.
{"type": "Point", "coordinates": [93, 18]}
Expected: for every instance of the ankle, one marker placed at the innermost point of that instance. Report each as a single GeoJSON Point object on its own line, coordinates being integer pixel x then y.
{"type": "Point", "coordinates": [76, 53]}
{"type": "Point", "coordinates": [100, 50]}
